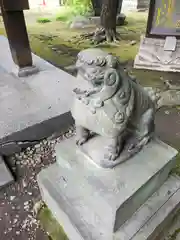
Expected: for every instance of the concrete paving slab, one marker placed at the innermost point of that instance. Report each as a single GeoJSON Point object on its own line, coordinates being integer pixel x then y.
{"type": "Point", "coordinates": [34, 107]}
{"type": "Point", "coordinates": [5, 175]}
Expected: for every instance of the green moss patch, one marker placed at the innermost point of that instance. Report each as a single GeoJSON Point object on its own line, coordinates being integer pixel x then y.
{"type": "Point", "coordinates": [176, 170]}
{"type": "Point", "coordinates": [50, 225]}
{"type": "Point", "coordinates": [43, 20]}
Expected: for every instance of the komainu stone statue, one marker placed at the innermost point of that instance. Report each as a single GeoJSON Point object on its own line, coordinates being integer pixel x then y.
{"type": "Point", "coordinates": [112, 107]}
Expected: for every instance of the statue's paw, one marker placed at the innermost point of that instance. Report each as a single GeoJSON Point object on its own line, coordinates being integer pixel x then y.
{"type": "Point", "coordinates": [132, 146]}
{"type": "Point", "coordinates": [81, 141]}
{"type": "Point", "coordinates": [139, 144]}
{"type": "Point", "coordinates": [143, 141]}
{"type": "Point", "coordinates": [112, 153]}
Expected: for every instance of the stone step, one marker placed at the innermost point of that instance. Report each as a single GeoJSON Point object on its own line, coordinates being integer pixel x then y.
{"type": "Point", "coordinates": [96, 201]}
{"type": "Point", "coordinates": [154, 215]}
{"type": "Point", "coordinates": [5, 175]}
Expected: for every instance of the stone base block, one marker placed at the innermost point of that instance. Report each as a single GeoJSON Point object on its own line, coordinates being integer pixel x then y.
{"type": "Point", "coordinates": [5, 175]}
{"type": "Point", "coordinates": [154, 215]}
{"type": "Point", "coordinates": [153, 56]}
{"type": "Point", "coordinates": [93, 203]}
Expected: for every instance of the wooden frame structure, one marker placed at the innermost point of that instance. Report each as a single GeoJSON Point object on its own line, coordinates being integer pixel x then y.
{"type": "Point", "coordinates": [15, 26]}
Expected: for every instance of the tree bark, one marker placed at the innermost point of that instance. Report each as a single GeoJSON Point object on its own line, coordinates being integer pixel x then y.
{"type": "Point", "coordinates": [97, 6]}
{"type": "Point", "coordinates": [107, 30]}
{"type": "Point", "coordinates": [108, 18]}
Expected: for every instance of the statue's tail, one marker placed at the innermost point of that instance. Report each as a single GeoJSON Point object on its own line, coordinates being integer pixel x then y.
{"type": "Point", "coordinates": [154, 94]}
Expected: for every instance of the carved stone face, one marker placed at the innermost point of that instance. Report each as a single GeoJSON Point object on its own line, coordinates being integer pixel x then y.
{"type": "Point", "coordinates": [93, 64]}
{"type": "Point", "coordinates": [93, 75]}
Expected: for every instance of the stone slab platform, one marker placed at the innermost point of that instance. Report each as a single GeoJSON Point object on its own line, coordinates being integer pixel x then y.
{"type": "Point", "coordinates": [34, 107]}
{"type": "Point", "coordinates": [99, 201]}
{"type": "Point", "coordinates": [152, 55]}
{"type": "Point", "coordinates": [155, 215]}
{"type": "Point", "coordinates": [5, 175]}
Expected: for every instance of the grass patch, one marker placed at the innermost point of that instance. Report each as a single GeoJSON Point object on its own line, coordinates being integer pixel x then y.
{"type": "Point", "coordinates": [176, 170]}
{"type": "Point", "coordinates": [43, 20]}
{"type": "Point", "coordinates": [50, 225]}
{"type": "Point", "coordinates": [174, 235]}
{"type": "Point", "coordinates": [65, 14]}
{"type": "Point", "coordinates": [63, 39]}
{"type": "Point", "coordinates": [62, 18]}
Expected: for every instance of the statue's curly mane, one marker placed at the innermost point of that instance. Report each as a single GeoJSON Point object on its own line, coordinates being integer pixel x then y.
{"type": "Point", "coordinates": [97, 58]}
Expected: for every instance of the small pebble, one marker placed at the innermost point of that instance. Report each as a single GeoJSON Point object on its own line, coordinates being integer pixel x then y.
{"type": "Point", "coordinates": [26, 203]}
{"type": "Point", "coordinates": [133, 42]}
{"type": "Point", "coordinates": [37, 146]}
{"type": "Point", "coordinates": [12, 198]}
{"type": "Point", "coordinates": [15, 221]}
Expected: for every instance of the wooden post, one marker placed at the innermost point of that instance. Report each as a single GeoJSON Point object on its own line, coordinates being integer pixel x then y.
{"type": "Point", "coordinates": [14, 22]}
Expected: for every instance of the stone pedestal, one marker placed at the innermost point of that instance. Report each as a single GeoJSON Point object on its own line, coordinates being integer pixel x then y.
{"type": "Point", "coordinates": [123, 203]}
{"type": "Point", "coordinates": [134, 5]}
{"type": "Point", "coordinates": [154, 55]}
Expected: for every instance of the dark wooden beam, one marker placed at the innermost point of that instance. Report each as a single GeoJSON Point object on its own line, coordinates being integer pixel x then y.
{"type": "Point", "coordinates": [18, 5]}
{"type": "Point", "coordinates": [15, 27]}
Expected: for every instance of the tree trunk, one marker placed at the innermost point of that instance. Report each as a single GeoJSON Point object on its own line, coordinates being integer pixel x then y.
{"type": "Point", "coordinates": [108, 18]}
{"type": "Point", "coordinates": [107, 30]}
{"type": "Point", "coordinates": [97, 7]}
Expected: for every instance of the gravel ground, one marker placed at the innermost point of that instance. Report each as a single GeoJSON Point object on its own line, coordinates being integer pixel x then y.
{"type": "Point", "coordinates": [19, 200]}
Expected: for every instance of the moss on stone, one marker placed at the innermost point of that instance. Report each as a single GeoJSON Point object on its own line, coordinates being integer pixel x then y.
{"type": "Point", "coordinates": [174, 235]}
{"type": "Point", "coordinates": [176, 170]}
{"type": "Point", "coordinates": [50, 225]}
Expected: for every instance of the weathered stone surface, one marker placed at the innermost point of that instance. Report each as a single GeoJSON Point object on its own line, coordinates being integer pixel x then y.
{"type": "Point", "coordinates": [155, 214]}
{"type": "Point", "coordinates": [33, 107]}
{"type": "Point", "coordinates": [5, 175]}
{"type": "Point", "coordinates": [152, 55]}
{"type": "Point", "coordinates": [169, 98]}
{"type": "Point", "coordinates": [80, 22]}
{"type": "Point", "coordinates": [92, 202]}
{"type": "Point", "coordinates": [120, 20]}
{"type": "Point", "coordinates": [25, 72]}
{"type": "Point", "coordinates": [115, 107]}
